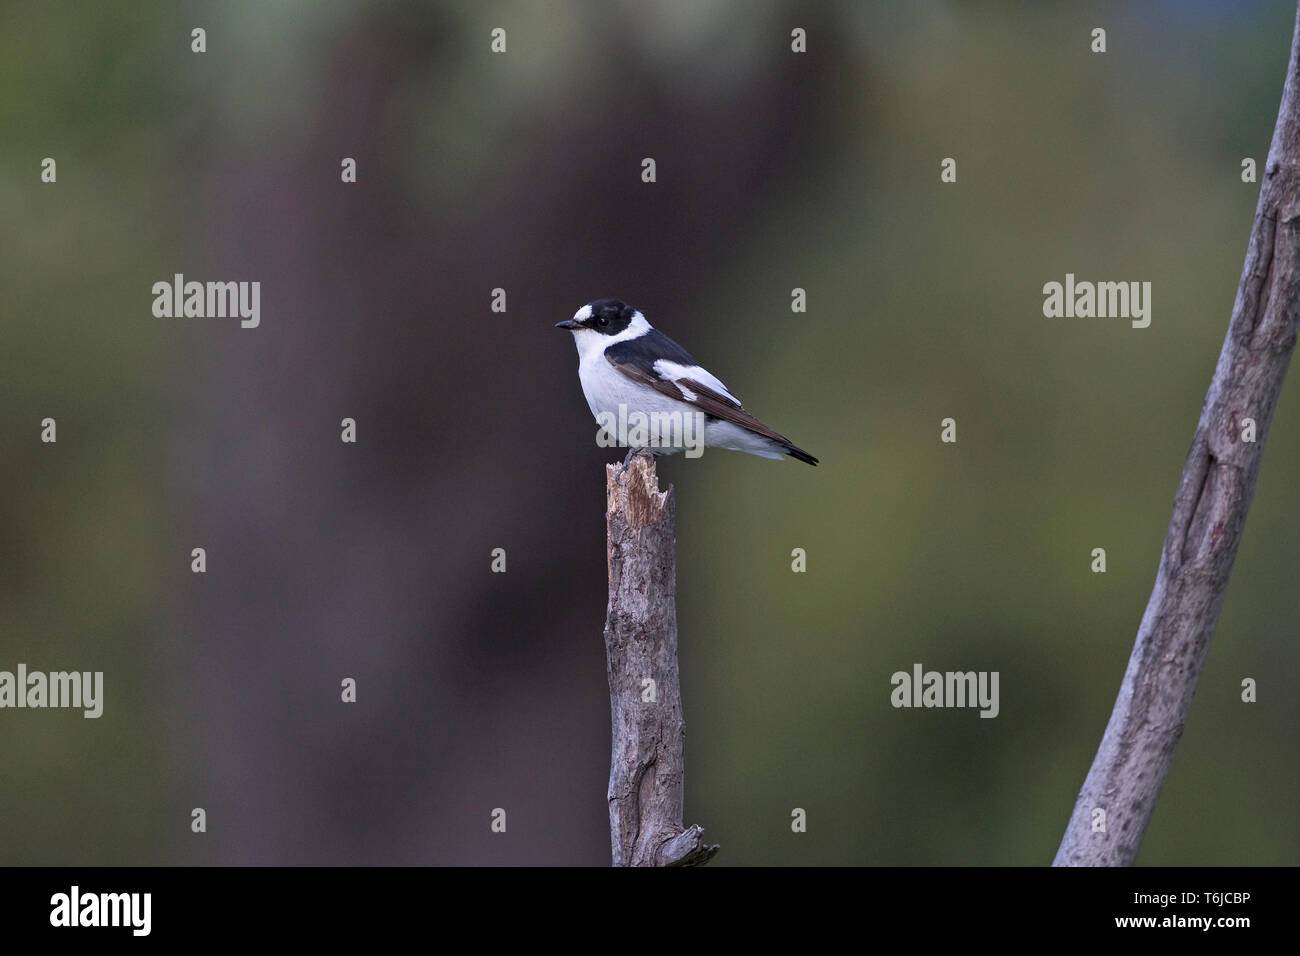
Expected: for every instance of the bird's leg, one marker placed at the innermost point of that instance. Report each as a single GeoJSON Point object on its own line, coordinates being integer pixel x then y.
{"type": "Point", "coordinates": [632, 452]}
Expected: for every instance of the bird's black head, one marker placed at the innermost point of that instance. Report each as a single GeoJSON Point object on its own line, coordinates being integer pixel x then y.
{"type": "Point", "coordinates": [606, 316]}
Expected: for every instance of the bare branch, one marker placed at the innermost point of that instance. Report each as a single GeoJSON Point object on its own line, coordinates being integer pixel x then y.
{"type": "Point", "coordinates": [646, 766]}
{"type": "Point", "coordinates": [1210, 508]}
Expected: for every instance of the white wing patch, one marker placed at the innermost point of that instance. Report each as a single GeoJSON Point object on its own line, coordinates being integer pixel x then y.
{"type": "Point", "coordinates": [672, 372]}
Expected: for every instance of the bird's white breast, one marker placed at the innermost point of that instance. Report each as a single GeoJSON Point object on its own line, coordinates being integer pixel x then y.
{"type": "Point", "coordinates": [604, 386]}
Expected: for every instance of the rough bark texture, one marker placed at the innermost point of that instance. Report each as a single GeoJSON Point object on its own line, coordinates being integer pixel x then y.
{"type": "Point", "coordinates": [1210, 507]}
{"type": "Point", "coordinates": [646, 769]}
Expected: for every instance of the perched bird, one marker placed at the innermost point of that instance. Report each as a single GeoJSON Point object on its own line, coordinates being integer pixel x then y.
{"type": "Point", "coordinates": [626, 365]}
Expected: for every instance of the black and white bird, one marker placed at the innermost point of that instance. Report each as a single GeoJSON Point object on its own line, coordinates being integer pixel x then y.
{"type": "Point", "coordinates": [624, 361]}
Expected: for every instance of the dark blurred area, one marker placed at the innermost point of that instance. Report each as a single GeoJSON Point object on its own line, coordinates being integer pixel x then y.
{"type": "Point", "coordinates": [522, 171]}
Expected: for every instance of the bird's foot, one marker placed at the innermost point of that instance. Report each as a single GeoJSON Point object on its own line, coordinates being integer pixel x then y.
{"type": "Point", "coordinates": [632, 453]}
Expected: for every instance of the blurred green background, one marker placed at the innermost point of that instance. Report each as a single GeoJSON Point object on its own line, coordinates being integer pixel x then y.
{"type": "Point", "coordinates": [522, 171]}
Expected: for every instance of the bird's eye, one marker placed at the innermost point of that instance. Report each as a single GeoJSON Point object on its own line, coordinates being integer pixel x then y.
{"type": "Point", "coordinates": [601, 320]}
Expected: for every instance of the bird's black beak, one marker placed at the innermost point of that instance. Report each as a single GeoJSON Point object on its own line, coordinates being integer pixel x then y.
{"type": "Point", "coordinates": [569, 324]}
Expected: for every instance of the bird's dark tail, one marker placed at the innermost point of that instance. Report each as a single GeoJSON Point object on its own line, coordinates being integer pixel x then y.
{"type": "Point", "coordinates": [799, 453]}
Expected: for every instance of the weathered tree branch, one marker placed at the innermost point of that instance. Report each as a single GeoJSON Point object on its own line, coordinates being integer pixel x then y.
{"type": "Point", "coordinates": [1210, 508]}
{"type": "Point", "coordinates": [646, 767]}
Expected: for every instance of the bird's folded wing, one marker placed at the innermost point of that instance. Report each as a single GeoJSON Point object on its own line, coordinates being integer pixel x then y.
{"type": "Point", "coordinates": [690, 392]}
